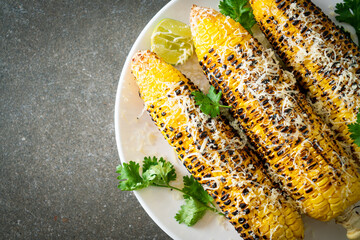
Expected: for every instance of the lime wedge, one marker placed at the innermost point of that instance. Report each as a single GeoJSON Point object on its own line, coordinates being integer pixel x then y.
{"type": "Point", "coordinates": [171, 40]}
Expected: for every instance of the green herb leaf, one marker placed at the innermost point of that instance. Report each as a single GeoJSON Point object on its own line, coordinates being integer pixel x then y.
{"type": "Point", "coordinates": [191, 212]}
{"type": "Point", "coordinates": [160, 174]}
{"type": "Point", "coordinates": [349, 12]}
{"type": "Point", "coordinates": [240, 11]}
{"type": "Point", "coordinates": [130, 178]}
{"type": "Point", "coordinates": [194, 189]}
{"type": "Point", "coordinates": [209, 103]}
{"type": "Point", "coordinates": [354, 129]}
{"type": "Point", "coordinates": [148, 162]}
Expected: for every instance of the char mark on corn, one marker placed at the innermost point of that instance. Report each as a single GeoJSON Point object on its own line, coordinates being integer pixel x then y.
{"type": "Point", "coordinates": [214, 154]}
{"type": "Point", "coordinates": [324, 59]}
{"type": "Point", "coordinates": [294, 142]}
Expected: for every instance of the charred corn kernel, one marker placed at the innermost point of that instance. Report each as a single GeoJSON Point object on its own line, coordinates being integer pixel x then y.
{"type": "Point", "coordinates": [325, 60]}
{"type": "Point", "coordinates": [214, 154]}
{"type": "Point", "coordinates": [295, 144]}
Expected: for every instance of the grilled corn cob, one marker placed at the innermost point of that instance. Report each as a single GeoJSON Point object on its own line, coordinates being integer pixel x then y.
{"type": "Point", "coordinates": [283, 128]}
{"type": "Point", "coordinates": [214, 154]}
{"type": "Point", "coordinates": [324, 59]}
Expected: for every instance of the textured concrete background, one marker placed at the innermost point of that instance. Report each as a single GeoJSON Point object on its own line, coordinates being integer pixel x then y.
{"type": "Point", "coordinates": [60, 62]}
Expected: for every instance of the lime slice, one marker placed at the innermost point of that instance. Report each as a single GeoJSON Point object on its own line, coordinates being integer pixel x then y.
{"type": "Point", "coordinates": [171, 40]}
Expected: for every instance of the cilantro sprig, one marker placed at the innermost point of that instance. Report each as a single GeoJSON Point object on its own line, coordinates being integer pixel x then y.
{"type": "Point", "coordinates": [240, 11]}
{"type": "Point", "coordinates": [354, 129]}
{"type": "Point", "coordinates": [349, 12]}
{"type": "Point", "coordinates": [209, 103]}
{"type": "Point", "coordinates": [160, 173]}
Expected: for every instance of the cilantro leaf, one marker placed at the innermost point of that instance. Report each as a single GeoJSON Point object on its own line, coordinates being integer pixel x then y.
{"type": "Point", "coordinates": [355, 133]}
{"type": "Point", "coordinates": [349, 12]}
{"type": "Point", "coordinates": [240, 11]}
{"type": "Point", "coordinates": [215, 97]}
{"type": "Point", "coordinates": [194, 189]}
{"type": "Point", "coordinates": [130, 178]}
{"type": "Point", "coordinates": [354, 129]}
{"type": "Point", "coordinates": [161, 173]}
{"type": "Point", "coordinates": [148, 162]}
{"type": "Point", "coordinates": [191, 212]}
{"type": "Point", "coordinates": [209, 103]}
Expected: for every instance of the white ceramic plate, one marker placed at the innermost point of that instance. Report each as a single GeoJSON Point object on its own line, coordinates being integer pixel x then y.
{"type": "Point", "coordinates": [137, 137]}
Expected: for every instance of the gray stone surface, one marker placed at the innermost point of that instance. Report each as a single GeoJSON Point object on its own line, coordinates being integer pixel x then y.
{"type": "Point", "coordinates": [60, 62]}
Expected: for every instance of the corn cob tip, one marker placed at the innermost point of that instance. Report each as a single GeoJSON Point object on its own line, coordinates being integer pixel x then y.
{"type": "Point", "coordinates": [140, 55]}
{"type": "Point", "coordinates": [193, 15]}
{"type": "Point", "coordinates": [197, 13]}
{"type": "Point", "coordinates": [139, 58]}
